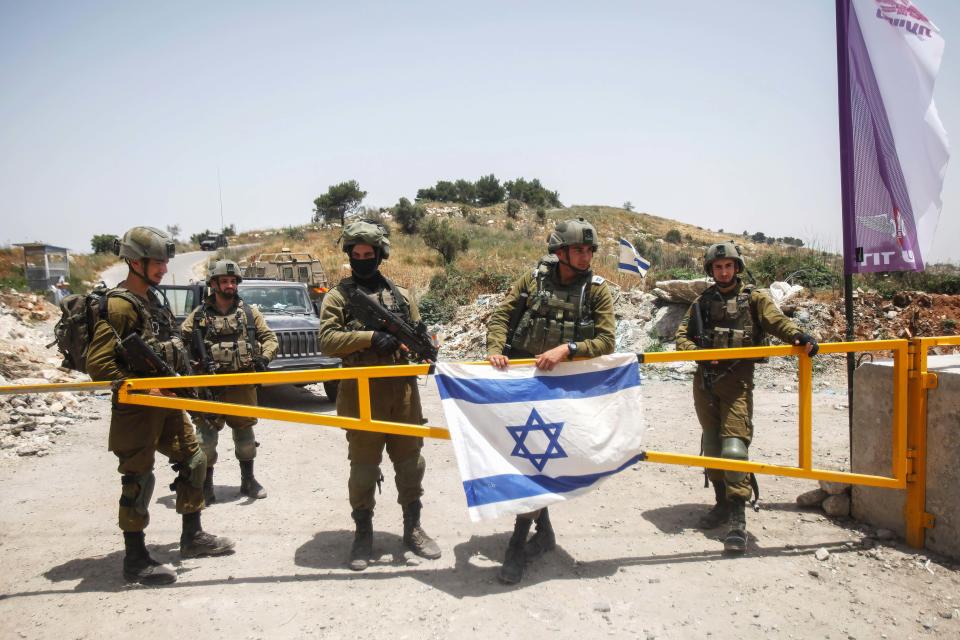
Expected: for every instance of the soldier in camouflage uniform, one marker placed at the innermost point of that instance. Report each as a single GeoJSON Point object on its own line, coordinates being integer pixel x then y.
{"type": "Point", "coordinates": [733, 314]}
{"type": "Point", "coordinates": [137, 433]}
{"type": "Point", "coordinates": [392, 399]}
{"type": "Point", "coordinates": [567, 311]}
{"type": "Point", "coordinates": [235, 339]}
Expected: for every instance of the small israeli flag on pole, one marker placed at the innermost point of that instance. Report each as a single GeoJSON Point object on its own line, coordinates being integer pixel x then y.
{"type": "Point", "coordinates": [630, 260]}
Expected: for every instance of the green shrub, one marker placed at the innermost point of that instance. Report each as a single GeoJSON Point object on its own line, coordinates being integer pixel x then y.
{"type": "Point", "coordinates": [102, 243]}
{"type": "Point", "coordinates": [408, 215]}
{"type": "Point", "coordinates": [508, 226]}
{"type": "Point", "coordinates": [541, 215]}
{"type": "Point", "coordinates": [294, 233]}
{"type": "Point", "coordinates": [673, 236]}
{"type": "Point", "coordinates": [513, 208]}
{"type": "Point", "coordinates": [678, 273]}
{"type": "Point", "coordinates": [810, 270]}
{"type": "Point", "coordinates": [441, 236]}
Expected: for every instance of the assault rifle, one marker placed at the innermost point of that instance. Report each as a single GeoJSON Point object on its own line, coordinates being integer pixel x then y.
{"type": "Point", "coordinates": [696, 316]}
{"type": "Point", "coordinates": [376, 318]}
{"type": "Point", "coordinates": [515, 317]}
{"type": "Point", "coordinates": [142, 359]}
{"type": "Point", "coordinates": [207, 365]}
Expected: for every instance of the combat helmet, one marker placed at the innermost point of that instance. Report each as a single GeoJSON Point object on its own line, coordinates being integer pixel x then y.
{"type": "Point", "coordinates": [723, 250]}
{"type": "Point", "coordinates": [225, 268]}
{"type": "Point", "coordinates": [366, 232]}
{"type": "Point", "coordinates": [145, 242]}
{"type": "Point", "coordinates": [570, 232]}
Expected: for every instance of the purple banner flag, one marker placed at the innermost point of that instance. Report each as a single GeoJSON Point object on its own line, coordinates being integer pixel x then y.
{"type": "Point", "coordinates": [893, 148]}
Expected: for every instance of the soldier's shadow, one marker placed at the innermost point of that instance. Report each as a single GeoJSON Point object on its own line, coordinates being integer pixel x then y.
{"type": "Point", "coordinates": [474, 571]}
{"type": "Point", "coordinates": [105, 573]}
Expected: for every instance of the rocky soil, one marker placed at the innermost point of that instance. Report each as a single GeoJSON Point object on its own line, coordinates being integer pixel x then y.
{"type": "Point", "coordinates": [30, 425]}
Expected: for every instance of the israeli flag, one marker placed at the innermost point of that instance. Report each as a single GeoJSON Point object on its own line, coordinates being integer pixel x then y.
{"type": "Point", "coordinates": [630, 260]}
{"type": "Point", "coordinates": [526, 438]}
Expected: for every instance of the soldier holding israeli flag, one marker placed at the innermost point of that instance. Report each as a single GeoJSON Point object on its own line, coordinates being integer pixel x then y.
{"type": "Point", "coordinates": [557, 311]}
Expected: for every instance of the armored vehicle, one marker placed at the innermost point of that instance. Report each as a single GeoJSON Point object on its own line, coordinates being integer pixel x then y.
{"type": "Point", "coordinates": [290, 267]}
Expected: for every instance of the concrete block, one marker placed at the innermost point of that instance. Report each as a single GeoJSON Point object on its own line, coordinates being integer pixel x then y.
{"type": "Point", "coordinates": [872, 439]}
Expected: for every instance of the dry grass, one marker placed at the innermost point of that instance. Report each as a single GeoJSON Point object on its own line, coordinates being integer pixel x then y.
{"type": "Point", "coordinates": [496, 248]}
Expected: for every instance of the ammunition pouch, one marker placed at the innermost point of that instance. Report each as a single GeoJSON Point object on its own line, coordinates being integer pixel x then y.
{"type": "Point", "coordinates": [553, 316]}
{"type": "Point", "coordinates": [137, 491]}
{"type": "Point", "coordinates": [734, 449]}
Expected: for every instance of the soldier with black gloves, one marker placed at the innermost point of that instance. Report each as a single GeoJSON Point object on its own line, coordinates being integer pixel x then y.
{"type": "Point", "coordinates": [391, 399]}
{"type": "Point", "coordinates": [732, 314]}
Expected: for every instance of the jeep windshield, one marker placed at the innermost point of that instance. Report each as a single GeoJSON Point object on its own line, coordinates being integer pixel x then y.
{"type": "Point", "coordinates": [276, 299]}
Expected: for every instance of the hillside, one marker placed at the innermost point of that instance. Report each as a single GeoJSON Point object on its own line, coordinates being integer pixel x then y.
{"type": "Point", "coordinates": [500, 247]}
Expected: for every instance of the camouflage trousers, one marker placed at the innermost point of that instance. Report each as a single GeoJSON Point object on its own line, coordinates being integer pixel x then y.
{"type": "Point", "coordinates": [396, 400]}
{"type": "Point", "coordinates": [244, 442]}
{"type": "Point", "coordinates": [725, 410]}
{"type": "Point", "coordinates": [137, 434]}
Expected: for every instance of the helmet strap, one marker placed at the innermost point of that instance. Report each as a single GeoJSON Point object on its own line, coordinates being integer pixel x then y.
{"type": "Point", "coordinates": [143, 276]}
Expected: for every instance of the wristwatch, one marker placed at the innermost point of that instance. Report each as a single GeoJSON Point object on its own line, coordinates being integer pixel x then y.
{"type": "Point", "coordinates": [572, 346]}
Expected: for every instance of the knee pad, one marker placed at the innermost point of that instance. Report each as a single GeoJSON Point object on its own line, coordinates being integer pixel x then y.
{"type": "Point", "coordinates": [710, 443]}
{"type": "Point", "coordinates": [244, 444]}
{"type": "Point", "coordinates": [208, 436]}
{"type": "Point", "coordinates": [137, 491]}
{"type": "Point", "coordinates": [410, 472]}
{"type": "Point", "coordinates": [192, 471]}
{"type": "Point", "coordinates": [734, 449]}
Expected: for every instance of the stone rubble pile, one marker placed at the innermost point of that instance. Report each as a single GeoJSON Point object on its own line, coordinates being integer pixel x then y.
{"type": "Point", "coordinates": [27, 306]}
{"type": "Point", "coordinates": [31, 423]}
{"type": "Point", "coordinates": [832, 497]}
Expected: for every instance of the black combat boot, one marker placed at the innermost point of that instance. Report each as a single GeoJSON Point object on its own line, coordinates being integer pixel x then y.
{"type": "Point", "coordinates": [512, 570]}
{"type": "Point", "coordinates": [362, 548]}
{"type": "Point", "coordinates": [735, 541]}
{"type": "Point", "coordinates": [414, 537]}
{"type": "Point", "coordinates": [209, 497]}
{"type": "Point", "coordinates": [720, 511]}
{"type": "Point", "coordinates": [543, 540]}
{"type": "Point", "coordinates": [138, 566]}
{"type": "Point", "coordinates": [248, 484]}
{"type": "Point", "coordinates": [195, 542]}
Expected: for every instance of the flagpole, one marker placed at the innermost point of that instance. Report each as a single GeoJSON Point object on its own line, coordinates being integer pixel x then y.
{"type": "Point", "coordinates": [846, 190]}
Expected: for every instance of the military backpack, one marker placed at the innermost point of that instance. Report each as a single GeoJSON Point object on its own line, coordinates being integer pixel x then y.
{"type": "Point", "coordinates": [73, 332]}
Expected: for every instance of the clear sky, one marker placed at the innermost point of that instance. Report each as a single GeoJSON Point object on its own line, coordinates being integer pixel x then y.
{"type": "Point", "coordinates": [720, 114]}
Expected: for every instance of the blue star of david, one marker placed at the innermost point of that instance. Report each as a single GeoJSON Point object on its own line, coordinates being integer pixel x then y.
{"type": "Point", "coordinates": [550, 429]}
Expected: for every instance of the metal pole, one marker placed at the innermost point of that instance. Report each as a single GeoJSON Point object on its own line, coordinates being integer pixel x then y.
{"type": "Point", "coordinates": [220, 197]}
{"type": "Point", "coordinates": [846, 191]}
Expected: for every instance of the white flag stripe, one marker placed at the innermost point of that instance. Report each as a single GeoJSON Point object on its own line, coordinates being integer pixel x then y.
{"type": "Point", "coordinates": [630, 260]}
{"type": "Point", "coordinates": [516, 457]}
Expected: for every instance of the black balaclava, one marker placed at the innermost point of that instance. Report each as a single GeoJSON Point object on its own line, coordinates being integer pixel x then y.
{"type": "Point", "coordinates": [366, 270]}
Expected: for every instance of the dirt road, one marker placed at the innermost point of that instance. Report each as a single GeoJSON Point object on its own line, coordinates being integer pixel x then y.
{"type": "Point", "coordinates": [628, 564]}
{"type": "Point", "coordinates": [180, 270]}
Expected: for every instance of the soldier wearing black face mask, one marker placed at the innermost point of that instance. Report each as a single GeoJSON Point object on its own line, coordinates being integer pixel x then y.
{"type": "Point", "coordinates": [391, 399]}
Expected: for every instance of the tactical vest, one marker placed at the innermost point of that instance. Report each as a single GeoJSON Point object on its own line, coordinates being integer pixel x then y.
{"type": "Point", "coordinates": [555, 314]}
{"type": "Point", "coordinates": [730, 323]}
{"type": "Point", "coordinates": [388, 297]}
{"type": "Point", "coordinates": [230, 340]}
{"type": "Point", "coordinates": [158, 326]}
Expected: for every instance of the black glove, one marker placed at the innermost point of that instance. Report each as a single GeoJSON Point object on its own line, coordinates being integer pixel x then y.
{"type": "Point", "coordinates": [384, 343]}
{"type": "Point", "coordinates": [260, 364]}
{"type": "Point", "coordinates": [803, 339]}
